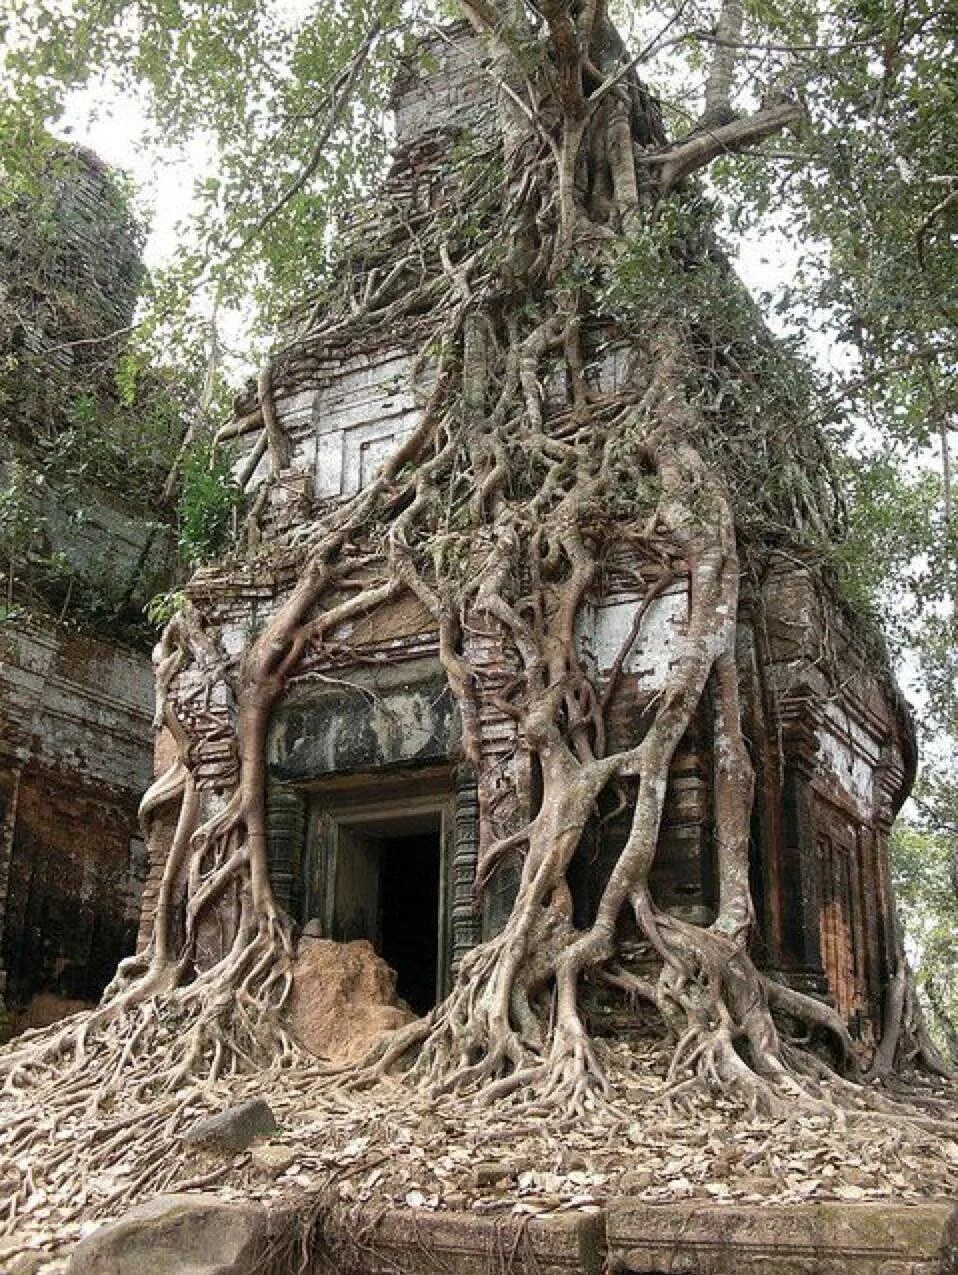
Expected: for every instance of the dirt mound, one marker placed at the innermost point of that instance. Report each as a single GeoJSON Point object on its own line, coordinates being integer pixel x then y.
{"type": "Point", "coordinates": [46, 1008]}
{"type": "Point", "coordinates": [344, 996]}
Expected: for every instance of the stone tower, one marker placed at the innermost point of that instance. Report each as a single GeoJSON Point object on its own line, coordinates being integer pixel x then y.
{"type": "Point", "coordinates": [373, 815]}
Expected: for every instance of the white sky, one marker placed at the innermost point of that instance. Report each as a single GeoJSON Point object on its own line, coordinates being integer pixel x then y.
{"type": "Point", "coordinates": [116, 128]}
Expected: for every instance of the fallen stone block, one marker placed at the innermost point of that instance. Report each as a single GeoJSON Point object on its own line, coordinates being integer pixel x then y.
{"type": "Point", "coordinates": [232, 1130]}
{"type": "Point", "coordinates": [189, 1234]}
{"type": "Point", "coordinates": [343, 999]}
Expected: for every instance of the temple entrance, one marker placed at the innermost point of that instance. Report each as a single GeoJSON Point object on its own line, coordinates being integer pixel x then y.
{"type": "Point", "coordinates": [387, 888]}
{"type": "Point", "coordinates": [389, 857]}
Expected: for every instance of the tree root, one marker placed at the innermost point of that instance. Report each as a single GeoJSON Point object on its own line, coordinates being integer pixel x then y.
{"type": "Point", "coordinates": [521, 486]}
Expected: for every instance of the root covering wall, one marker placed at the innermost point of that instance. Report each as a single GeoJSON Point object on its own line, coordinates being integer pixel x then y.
{"type": "Point", "coordinates": [826, 731]}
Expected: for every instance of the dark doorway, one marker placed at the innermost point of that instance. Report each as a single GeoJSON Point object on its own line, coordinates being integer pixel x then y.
{"type": "Point", "coordinates": [409, 912]}
{"type": "Point", "coordinates": [387, 890]}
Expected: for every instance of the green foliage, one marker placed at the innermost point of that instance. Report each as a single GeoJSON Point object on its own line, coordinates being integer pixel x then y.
{"type": "Point", "coordinates": [756, 391]}
{"type": "Point", "coordinates": [889, 515]}
{"type": "Point", "coordinates": [868, 194]}
{"type": "Point", "coordinates": [21, 523]}
{"type": "Point", "coordinates": [208, 498]}
{"type": "Point", "coordinates": [255, 82]}
{"type": "Point", "coordinates": [923, 865]}
{"type": "Point", "coordinates": [653, 276]}
{"type": "Point", "coordinates": [106, 446]}
{"type": "Point", "coordinates": [163, 606]}
{"type": "Point", "coordinates": [127, 378]}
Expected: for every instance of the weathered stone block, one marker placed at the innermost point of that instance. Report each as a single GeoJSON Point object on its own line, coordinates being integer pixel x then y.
{"type": "Point", "coordinates": [409, 1242]}
{"type": "Point", "coordinates": [177, 1235]}
{"type": "Point", "coordinates": [364, 729]}
{"type": "Point", "coordinates": [829, 1238]}
{"type": "Point", "coordinates": [232, 1130]}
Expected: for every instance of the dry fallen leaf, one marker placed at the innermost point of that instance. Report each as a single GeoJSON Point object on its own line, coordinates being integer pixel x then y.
{"type": "Point", "coordinates": [845, 1192]}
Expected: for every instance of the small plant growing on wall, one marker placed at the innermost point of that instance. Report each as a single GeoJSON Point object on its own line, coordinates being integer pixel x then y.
{"type": "Point", "coordinates": [208, 498]}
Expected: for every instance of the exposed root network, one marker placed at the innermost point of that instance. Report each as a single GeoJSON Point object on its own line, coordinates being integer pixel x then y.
{"type": "Point", "coordinates": [497, 514]}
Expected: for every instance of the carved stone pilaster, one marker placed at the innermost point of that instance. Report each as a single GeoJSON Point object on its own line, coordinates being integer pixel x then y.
{"type": "Point", "coordinates": [285, 835]}
{"type": "Point", "coordinates": [466, 921]}
{"type": "Point", "coordinates": [801, 900]}
{"type": "Point", "coordinates": [685, 881]}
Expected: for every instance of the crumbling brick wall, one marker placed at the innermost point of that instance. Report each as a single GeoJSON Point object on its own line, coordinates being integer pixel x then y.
{"type": "Point", "coordinates": [75, 703]}
{"type": "Point", "coordinates": [70, 271]}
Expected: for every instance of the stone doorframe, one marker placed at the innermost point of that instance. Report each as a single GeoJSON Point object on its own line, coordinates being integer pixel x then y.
{"type": "Point", "coordinates": [308, 823]}
{"type": "Point", "coordinates": [330, 822]}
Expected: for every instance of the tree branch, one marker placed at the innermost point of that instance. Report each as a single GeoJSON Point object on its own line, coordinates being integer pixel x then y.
{"type": "Point", "coordinates": [700, 148]}
{"type": "Point", "coordinates": [718, 87]}
{"type": "Point", "coordinates": [339, 97]}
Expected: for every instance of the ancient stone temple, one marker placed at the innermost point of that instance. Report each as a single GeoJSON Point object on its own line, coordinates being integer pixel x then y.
{"type": "Point", "coordinates": [77, 549]}
{"type": "Point", "coordinates": [373, 816]}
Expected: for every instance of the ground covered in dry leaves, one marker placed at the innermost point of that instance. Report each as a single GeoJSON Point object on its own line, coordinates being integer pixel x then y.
{"type": "Point", "coordinates": [393, 1147]}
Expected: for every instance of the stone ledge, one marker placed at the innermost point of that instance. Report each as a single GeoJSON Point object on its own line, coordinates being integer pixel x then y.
{"type": "Point", "coordinates": [411, 1242]}
{"type": "Point", "coordinates": [203, 1235]}
{"type": "Point", "coordinates": [828, 1238]}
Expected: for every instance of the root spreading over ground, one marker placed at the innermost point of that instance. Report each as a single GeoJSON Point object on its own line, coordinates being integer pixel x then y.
{"type": "Point", "coordinates": [396, 1146]}
{"type": "Point", "coordinates": [499, 515]}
